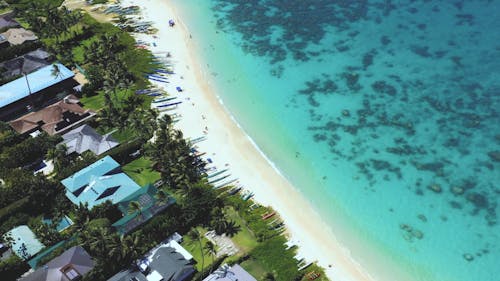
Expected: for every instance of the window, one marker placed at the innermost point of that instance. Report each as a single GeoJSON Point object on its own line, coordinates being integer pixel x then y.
{"type": "Point", "coordinates": [70, 272]}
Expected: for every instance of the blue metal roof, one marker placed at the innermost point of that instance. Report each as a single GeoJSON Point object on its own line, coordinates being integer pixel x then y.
{"type": "Point", "coordinates": [24, 242]}
{"type": "Point", "coordinates": [85, 175]}
{"type": "Point", "coordinates": [94, 186]}
{"type": "Point", "coordinates": [38, 80]}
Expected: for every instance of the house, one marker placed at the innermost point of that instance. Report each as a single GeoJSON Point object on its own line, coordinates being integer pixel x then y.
{"type": "Point", "coordinates": [35, 90]}
{"type": "Point", "coordinates": [71, 265]}
{"type": "Point", "coordinates": [26, 63]}
{"type": "Point", "coordinates": [3, 42]}
{"type": "Point", "coordinates": [161, 263]}
{"type": "Point", "coordinates": [7, 21]}
{"type": "Point", "coordinates": [99, 182]}
{"type": "Point", "coordinates": [23, 242]}
{"type": "Point", "coordinates": [53, 119]}
{"type": "Point", "coordinates": [85, 138]}
{"type": "Point", "coordinates": [150, 206]}
{"type": "Point", "coordinates": [17, 36]}
{"type": "Point", "coordinates": [227, 273]}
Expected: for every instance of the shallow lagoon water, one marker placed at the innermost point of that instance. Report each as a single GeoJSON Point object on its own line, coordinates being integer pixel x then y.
{"type": "Point", "coordinates": [384, 114]}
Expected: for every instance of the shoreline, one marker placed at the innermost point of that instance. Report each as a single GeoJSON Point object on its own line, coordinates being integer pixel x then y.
{"type": "Point", "coordinates": [203, 109]}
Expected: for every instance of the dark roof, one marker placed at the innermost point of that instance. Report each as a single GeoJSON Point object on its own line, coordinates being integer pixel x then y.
{"type": "Point", "coordinates": [75, 258]}
{"type": "Point", "coordinates": [226, 273]}
{"type": "Point", "coordinates": [6, 20]}
{"type": "Point", "coordinates": [167, 262]}
{"type": "Point", "coordinates": [27, 63]}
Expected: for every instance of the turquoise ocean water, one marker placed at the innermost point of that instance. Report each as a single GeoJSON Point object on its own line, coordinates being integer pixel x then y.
{"type": "Point", "coordinates": [384, 114]}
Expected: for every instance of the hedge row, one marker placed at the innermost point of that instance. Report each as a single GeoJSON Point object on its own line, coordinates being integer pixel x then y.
{"type": "Point", "coordinates": [17, 50]}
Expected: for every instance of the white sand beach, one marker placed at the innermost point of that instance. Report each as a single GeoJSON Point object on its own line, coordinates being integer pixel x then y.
{"type": "Point", "coordinates": [228, 145]}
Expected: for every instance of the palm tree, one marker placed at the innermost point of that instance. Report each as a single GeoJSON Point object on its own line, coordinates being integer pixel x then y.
{"type": "Point", "coordinates": [58, 157]}
{"type": "Point", "coordinates": [99, 241]}
{"type": "Point", "coordinates": [194, 235]}
{"type": "Point", "coordinates": [161, 196]}
{"type": "Point", "coordinates": [218, 221]}
{"type": "Point", "coordinates": [231, 228]}
{"type": "Point", "coordinates": [131, 247]}
{"type": "Point", "coordinates": [269, 277]}
{"type": "Point", "coordinates": [135, 207]}
{"type": "Point", "coordinates": [55, 71]}
{"type": "Point", "coordinates": [212, 251]}
{"type": "Point", "coordinates": [32, 104]}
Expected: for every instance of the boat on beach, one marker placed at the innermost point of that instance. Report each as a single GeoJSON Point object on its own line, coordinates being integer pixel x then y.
{"type": "Point", "coordinates": [225, 183]}
{"type": "Point", "coordinates": [163, 99]}
{"type": "Point", "coordinates": [218, 179]}
{"type": "Point", "coordinates": [217, 173]}
{"type": "Point", "coordinates": [247, 195]}
{"type": "Point", "coordinates": [169, 104]}
{"type": "Point", "coordinates": [197, 140]}
{"type": "Point", "coordinates": [154, 94]}
{"type": "Point", "coordinates": [234, 190]}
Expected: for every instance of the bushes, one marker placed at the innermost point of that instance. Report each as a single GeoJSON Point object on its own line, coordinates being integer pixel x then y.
{"type": "Point", "coordinates": [12, 268]}
{"type": "Point", "coordinates": [14, 220]}
{"type": "Point", "coordinates": [17, 50]}
{"type": "Point", "coordinates": [13, 208]}
{"type": "Point", "coordinates": [122, 152]}
{"type": "Point", "coordinates": [27, 152]}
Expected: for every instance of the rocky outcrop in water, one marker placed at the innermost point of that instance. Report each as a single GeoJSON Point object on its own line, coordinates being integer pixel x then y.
{"type": "Point", "coordinates": [410, 233]}
{"type": "Point", "coordinates": [494, 155]}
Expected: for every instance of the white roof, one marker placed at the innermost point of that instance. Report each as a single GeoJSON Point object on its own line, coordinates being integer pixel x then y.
{"type": "Point", "coordinates": [154, 276]}
{"type": "Point", "coordinates": [179, 249]}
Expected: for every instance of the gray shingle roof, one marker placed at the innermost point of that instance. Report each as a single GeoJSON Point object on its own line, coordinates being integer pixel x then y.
{"type": "Point", "coordinates": [6, 20]}
{"type": "Point", "coordinates": [26, 63]}
{"type": "Point", "coordinates": [86, 138]}
{"type": "Point", "coordinates": [167, 262]}
{"type": "Point", "coordinates": [76, 257]}
{"type": "Point", "coordinates": [226, 273]}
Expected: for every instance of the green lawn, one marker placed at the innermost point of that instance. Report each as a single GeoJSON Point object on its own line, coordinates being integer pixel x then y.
{"type": "Point", "coordinates": [124, 135]}
{"type": "Point", "coordinates": [193, 247]}
{"type": "Point", "coordinates": [140, 171]}
{"type": "Point", "coordinates": [5, 10]}
{"type": "Point", "coordinates": [245, 240]}
{"type": "Point", "coordinates": [254, 267]}
{"type": "Point", "coordinates": [95, 102]}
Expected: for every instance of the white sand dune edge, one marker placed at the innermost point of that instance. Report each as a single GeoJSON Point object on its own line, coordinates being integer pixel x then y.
{"type": "Point", "coordinates": [227, 144]}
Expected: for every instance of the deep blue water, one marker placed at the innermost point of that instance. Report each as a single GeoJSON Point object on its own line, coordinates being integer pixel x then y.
{"type": "Point", "coordinates": [384, 114]}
